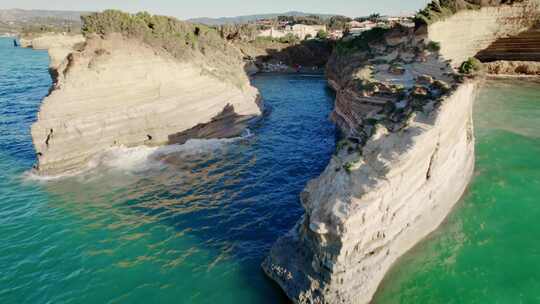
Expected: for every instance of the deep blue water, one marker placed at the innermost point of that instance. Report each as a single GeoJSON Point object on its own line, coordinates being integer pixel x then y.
{"type": "Point", "coordinates": [191, 227]}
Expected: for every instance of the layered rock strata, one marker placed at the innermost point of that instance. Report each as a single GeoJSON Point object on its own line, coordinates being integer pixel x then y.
{"type": "Point", "coordinates": [469, 32]}
{"type": "Point", "coordinates": [118, 91]}
{"type": "Point", "coordinates": [57, 44]}
{"type": "Point", "coordinates": [513, 68]}
{"type": "Point", "coordinates": [524, 47]}
{"type": "Point", "coordinates": [407, 156]}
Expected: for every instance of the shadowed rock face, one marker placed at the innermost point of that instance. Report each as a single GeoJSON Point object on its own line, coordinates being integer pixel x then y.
{"type": "Point", "coordinates": [469, 32]}
{"type": "Point", "coordinates": [407, 156]}
{"type": "Point", "coordinates": [524, 46]}
{"type": "Point", "coordinates": [226, 124]}
{"type": "Point", "coordinates": [121, 92]}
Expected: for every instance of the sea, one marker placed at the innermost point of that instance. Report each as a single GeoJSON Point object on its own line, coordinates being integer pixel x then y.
{"type": "Point", "coordinates": [192, 223]}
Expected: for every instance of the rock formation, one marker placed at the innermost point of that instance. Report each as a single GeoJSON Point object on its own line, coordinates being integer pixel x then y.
{"type": "Point", "coordinates": [406, 158]}
{"type": "Point", "coordinates": [59, 45]}
{"type": "Point", "coordinates": [522, 47]}
{"type": "Point", "coordinates": [134, 86]}
{"type": "Point", "coordinates": [513, 68]}
{"type": "Point", "coordinates": [469, 32]}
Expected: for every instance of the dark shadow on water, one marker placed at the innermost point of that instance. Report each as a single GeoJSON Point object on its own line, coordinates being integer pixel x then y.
{"type": "Point", "coordinates": [235, 199]}
{"type": "Point", "coordinates": [308, 53]}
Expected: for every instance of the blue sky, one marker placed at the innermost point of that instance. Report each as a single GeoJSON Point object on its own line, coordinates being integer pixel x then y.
{"type": "Point", "coordinates": [217, 8]}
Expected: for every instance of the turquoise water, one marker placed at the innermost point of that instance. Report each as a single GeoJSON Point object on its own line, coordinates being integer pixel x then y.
{"type": "Point", "coordinates": [191, 227]}
{"type": "Point", "coordinates": [488, 250]}
{"type": "Point", "coordinates": [194, 225]}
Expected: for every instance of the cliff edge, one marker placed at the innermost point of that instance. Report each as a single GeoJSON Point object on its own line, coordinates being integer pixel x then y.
{"type": "Point", "coordinates": [407, 155]}
{"type": "Point", "coordinates": [59, 45]}
{"type": "Point", "coordinates": [140, 80]}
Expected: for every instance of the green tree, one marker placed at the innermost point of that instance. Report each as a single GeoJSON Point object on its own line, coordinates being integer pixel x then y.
{"type": "Point", "coordinates": [338, 22]}
{"type": "Point", "coordinates": [322, 34]}
{"type": "Point", "coordinates": [289, 38]}
{"type": "Point", "coordinates": [374, 17]}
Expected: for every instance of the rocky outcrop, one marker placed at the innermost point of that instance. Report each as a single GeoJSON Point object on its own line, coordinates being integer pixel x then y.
{"type": "Point", "coordinates": [119, 91]}
{"type": "Point", "coordinates": [59, 45]}
{"type": "Point", "coordinates": [522, 47]}
{"type": "Point", "coordinates": [468, 32]}
{"type": "Point", "coordinates": [358, 223]}
{"type": "Point", "coordinates": [406, 158]}
{"type": "Point", "coordinates": [513, 68]}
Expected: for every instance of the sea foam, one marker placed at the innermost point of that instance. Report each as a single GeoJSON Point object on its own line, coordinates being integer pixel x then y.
{"type": "Point", "coordinates": [139, 159]}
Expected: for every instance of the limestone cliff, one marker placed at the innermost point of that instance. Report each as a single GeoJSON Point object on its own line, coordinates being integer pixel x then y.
{"type": "Point", "coordinates": [523, 47]}
{"type": "Point", "coordinates": [513, 68]}
{"type": "Point", "coordinates": [122, 90]}
{"type": "Point", "coordinates": [59, 45]}
{"type": "Point", "coordinates": [468, 32]}
{"type": "Point", "coordinates": [406, 158]}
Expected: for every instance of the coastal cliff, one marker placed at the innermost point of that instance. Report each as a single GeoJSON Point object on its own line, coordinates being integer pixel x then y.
{"type": "Point", "coordinates": [57, 44]}
{"type": "Point", "coordinates": [406, 158]}
{"type": "Point", "coordinates": [470, 32]}
{"type": "Point", "coordinates": [141, 80]}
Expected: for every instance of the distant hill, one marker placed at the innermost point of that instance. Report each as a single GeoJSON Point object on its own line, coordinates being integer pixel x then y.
{"type": "Point", "coordinates": [249, 18]}
{"type": "Point", "coordinates": [14, 20]}
{"type": "Point", "coordinates": [20, 15]}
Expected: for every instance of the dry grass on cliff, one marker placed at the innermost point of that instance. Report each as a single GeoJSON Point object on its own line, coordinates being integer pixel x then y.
{"type": "Point", "coordinates": [171, 34]}
{"type": "Point", "coordinates": [183, 40]}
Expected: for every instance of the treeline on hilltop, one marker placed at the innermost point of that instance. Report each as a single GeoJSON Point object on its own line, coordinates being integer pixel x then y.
{"type": "Point", "coordinates": [48, 25]}
{"type": "Point", "coordinates": [175, 36]}
{"type": "Point", "coordinates": [332, 23]}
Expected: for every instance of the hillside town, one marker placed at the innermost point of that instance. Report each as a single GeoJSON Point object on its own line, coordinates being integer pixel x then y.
{"type": "Point", "coordinates": [335, 27]}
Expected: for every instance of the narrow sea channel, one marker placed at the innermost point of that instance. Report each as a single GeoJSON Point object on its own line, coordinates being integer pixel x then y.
{"type": "Point", "coordinates": [190, 228]}
{"type": "Point", "coordinates": [191, 224]}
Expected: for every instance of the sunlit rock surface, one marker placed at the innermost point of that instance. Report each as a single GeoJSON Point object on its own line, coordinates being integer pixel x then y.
{"type": "Point", "coordinates": [121, 92]}
{"type": "Point", "coordinates": [406, 158]}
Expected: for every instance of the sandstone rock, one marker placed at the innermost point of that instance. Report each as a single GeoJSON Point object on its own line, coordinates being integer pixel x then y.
{"type": "Point", "coordinates": [510, 68]}
{"type": "Point", "coordinates": [376, 206]}
{"type": "Point", "coordinates": [468, 32]}
{"type": "Point", "coordinates": [59, 45]}
{"type": "Point", "coordinates": [396, 70]}
{"type": "Point", "coordinates": [424, 79]}
{"type": "Point", "coordinates": [122, 92]}
{"type": "Point", "coordinates": [441, 86]}
{"type": "Point", "coordinates": [420, 91]}
{"type": "Point", "coordinates": [392, 198]}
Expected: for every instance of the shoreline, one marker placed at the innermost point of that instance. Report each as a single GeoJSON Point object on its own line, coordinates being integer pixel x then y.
{"type": "Point", "coordinates": [534, 78]}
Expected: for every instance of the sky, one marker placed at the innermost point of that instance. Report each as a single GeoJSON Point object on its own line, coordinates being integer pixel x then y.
{"type": "Point", "coordinates": [185, 9]}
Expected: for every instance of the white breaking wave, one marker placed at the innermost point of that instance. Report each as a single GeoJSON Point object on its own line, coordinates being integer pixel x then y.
{"type": "Point", "coordinates": [142, 158]}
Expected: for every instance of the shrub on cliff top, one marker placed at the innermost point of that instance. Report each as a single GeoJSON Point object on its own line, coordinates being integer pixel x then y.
{"type": "Point", "coordinates": [322, 34]}
{"type": "Point", "coordinates": [362, 42]}
{"type": "Point", "coordinates": [182, 40]}
{"type": "Point", "coordinates": [434, 46]}
{"type": "Point", "coordinates": [173, 35]}
{"type": "Point", "coordinates": [470, 66]}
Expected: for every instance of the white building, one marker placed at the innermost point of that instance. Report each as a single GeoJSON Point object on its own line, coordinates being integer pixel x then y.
{"type": "Point", "coordinates": [357, 28]}
{"type": "Point", "coordinates": [300, 30]}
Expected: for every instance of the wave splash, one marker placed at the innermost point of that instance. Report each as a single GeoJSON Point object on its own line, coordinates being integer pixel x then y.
{"type": "Point", "coordinates": [141, 159]}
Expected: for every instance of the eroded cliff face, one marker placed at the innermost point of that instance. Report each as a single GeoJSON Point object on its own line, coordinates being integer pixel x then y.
{"type": "Point", "coordinates": [468, 32]}
{"type": "Point", "coordinates": [407, 156]}
{"type": "Point", "coordinates": [357, 224]}
{"type": "Point", "coordinates": [118, 91]}
{"type": "Point", "coordinates": [521, 47]}
{"type": "Point", "coordinates": [59, 45]}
